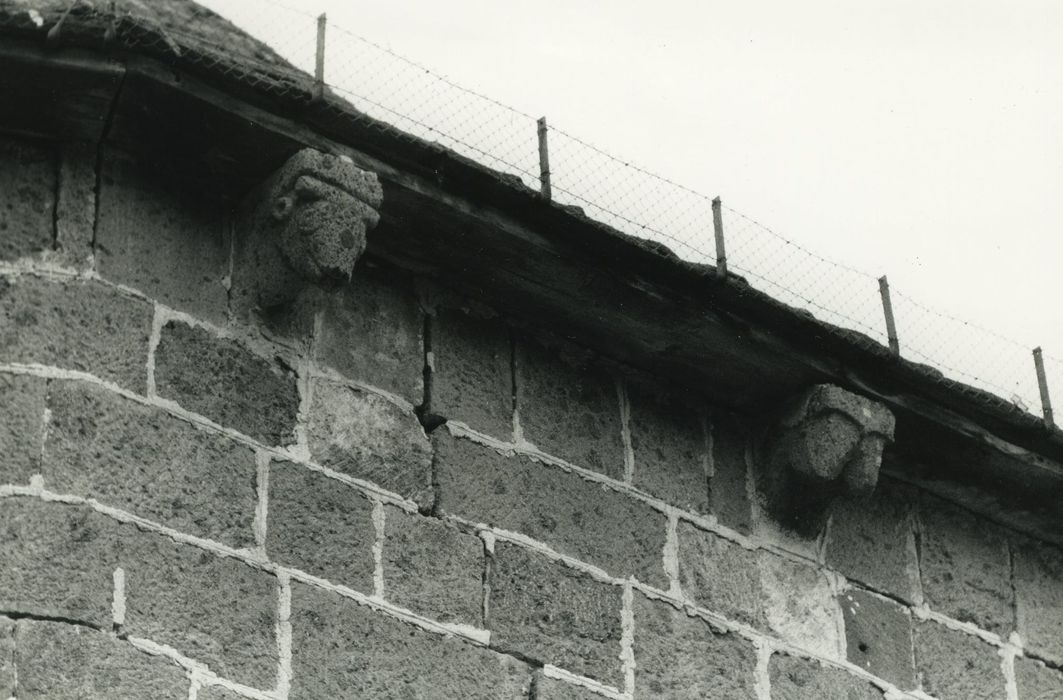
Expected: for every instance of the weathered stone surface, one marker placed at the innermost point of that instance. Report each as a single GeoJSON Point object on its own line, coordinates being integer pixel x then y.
{"type": "Point", "coordinates": [827, 444]}
{"type": "Point", "coordinates": [320, 525]}
{"type": "Point", "coordinates": [21, 427]}
{"type": "Point", "coordinates": [679, 656]}
{"type": "Point", "coordinates": [224, 381]}
{"type": "Point", "coordinates": [159, 235]}
{"type": "Point", "coordinates": [873, 541]}
{"type": "Point", "coordinates": [547, 611]}
{"type": "Point", "coordinates": [342, 650]}
{"type": "Point", "coordinates": [878, 635]}
{"type": "Point", "coordinates": [791, 600]}
{"type": "Point", "coordinates": [216, 610]}
{"type": "Point", "coordinates": [143, 460]}
{"type": "Point", "coordinates": [1039, 597]}
{"type": "Point", "coordinates": [553, 689]}
{"type": "Point", "coordinates": [954, 665]}
{"type": "Point", "coordinates": [75, 211]}
{"type": "Point", "coordinates": [728, 485]}
{"type": "Point", "coordinates": [27, 198]}
{"type": "Point", "coordinates": [306, 224]}
{"type": "Point", "coordinates": [8, 674]}
{"type": "Point", "coordinates": [362, 434]}
{"type": "Point", "coordinates": [966, 567]}
{"type": "Point", "coordinates": [802, 679]}
{"type": "Point", "coordinates": [432, 568]}
{"type": "Point", "coordinates": [569, 411]}
{"type": "Point", "coordinates": [75, 325]}
{"type": "Point", "coordinates": [720, 575]}
{"type": "Point", "coordinates": [218, 692]}
{"type": "Point", "coordinates": [372, 331]}
{"type": "Point", "coordinates": [573, 515]}
{"type": "Point", "coordinates": [670, 445]}
{"type": "Point", "coordinates": [56, 560]}
{"type": "Point", "coordinates": [472, 372]}
{"type": "Point", "coordinates": [58, 661]}
{"type": "Point", "coordinates": [1036, 681]}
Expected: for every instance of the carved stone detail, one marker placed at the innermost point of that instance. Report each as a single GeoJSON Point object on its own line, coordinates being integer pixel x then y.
{"type": "Point", "coordinates": [827, 444]}
{"type": "Point", "coordinates": [306, 224]}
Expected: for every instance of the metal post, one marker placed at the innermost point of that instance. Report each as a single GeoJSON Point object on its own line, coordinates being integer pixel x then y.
{"type": "Point", "coordinates": [544, 162]}
{"type": "Point", "coordinates": [1042, 385]}
{"type": "Point", "coordinates": [887, 309]}
{"type": "Point", "coordinates": [319, 66]}
{"type": "Point", "coordinates": [717, 226]}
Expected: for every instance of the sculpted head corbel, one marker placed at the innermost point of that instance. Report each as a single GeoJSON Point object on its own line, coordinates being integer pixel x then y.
{"type": "Point", "coordinates": [306, 225]}
{"type": "Point", "coordinates": [825, 445]}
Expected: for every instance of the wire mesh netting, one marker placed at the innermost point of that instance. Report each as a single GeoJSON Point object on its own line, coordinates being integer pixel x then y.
{"type": "Point", "coordinates": [374, 84]}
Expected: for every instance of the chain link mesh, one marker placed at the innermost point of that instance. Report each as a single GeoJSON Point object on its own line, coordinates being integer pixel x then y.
{"type": "Point", "coordinates": [380, 88]}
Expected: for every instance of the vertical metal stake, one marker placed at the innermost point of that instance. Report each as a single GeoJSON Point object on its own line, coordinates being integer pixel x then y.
{"type": "Point", "coordinates": [887, 308]}
{"type": "Point", "coordinates": [544, 162]}
{"type": "Point", "coordinates": [1042, 385]}
{"type": "Point", "coordinates": [319, 66]}
{"type": "Point", "coordinates": [717, 227]}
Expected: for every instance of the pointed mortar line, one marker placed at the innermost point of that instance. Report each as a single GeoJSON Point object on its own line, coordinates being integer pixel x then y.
{"type": "Point", "coordinates": [261, 520]}
{"type": "Point", "coordinates": [379, 517]}
{"type": "Point", "coordinates": [284, 635]}
{"type": "Point", "coordinates": [318, 372]}
{"type": "Point", "coordinates": [670, 556]}
{"type": "Point", "coordinates": [624, 404]}
{"type": "Point", "coordinates": [1007, 667]}
{"type": "Point", "coordinates": [761, 676]}
{"type": "Point", "coordinates": [488, 540]}
{"type": "Point", "coordinates": [560, 674]}
{"type": "Point", "coordinates": [118, 600]}
{"type": "Point", "coordinates": [627, 638]}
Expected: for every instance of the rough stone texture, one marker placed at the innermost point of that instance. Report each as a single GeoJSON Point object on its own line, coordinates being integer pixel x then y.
{"type": "Point", "coordinates": [143, 460]}
{"type": "Point", "coordinates": [547, 611]}
{"type": "Point", "coordinates": [341, 650]}
{"type": "Point", "coordinates": [364, 435]}
{"type": "Point", "coordinates": [878, 635]}
{"type": "Point", "coordinates": [21, 427]}
{"type": "Point", "coordinates": [75, 214]}
{"type": "Point", "coordinates": [728, 487]}
{"type": "Point", "coordinates": [569, 411]}
{"type": "Point", "coordinates": [873, 541]}
{"type": "Point", "coordinates": [720, 575]}
{"type": "Point", "coordinates": [788, 599]}
{"type": "Point", "coordinates": [320, 525]}
{"type": "Point", "coordinates": [56, 560]}
{"type": "Point", "coordinates": [553, 689]}
{"type": "Point", "coordinates": [27, 198]}
{"type": "Point", "coordinates": [307, 223]}
{"type": "Point", "coordinates": [966, 567]}
{"type": "Point", "coordinates": [58, 661]}
{"type": "Point", "coordinates": [670, 446]}
{"type": "Point", "coordinates": [472, 377]}
{"type": "Point", "coordinates": [226, 382]}
{"type": "Point", "coordinates": [8, 676]}
{"type": "Point", "coordinates": [432, 568]}
{"type": "Point", "coordinates": [372, 331]}
{"type": "Point", "coordinates": [679, 656]}
{"type": "Point", "coordinates": [802, 679]}
{"type": "Point", "coordinates": [216, 610]}
{"type": "Point", "coordinates": [218, 692]}
{"type": "Point", "coordinates": [955, 665]}
{"type": "Point", "coordinates": [160, 236]}
{"type": "Point", "coordinates": [1036, 681]}
{"type": "Point", "coordinates": [573, 515]}
{"type": "Point", "coordinates": [1039, 597]}
{"type": "Point", "coordinates": [75, 325]}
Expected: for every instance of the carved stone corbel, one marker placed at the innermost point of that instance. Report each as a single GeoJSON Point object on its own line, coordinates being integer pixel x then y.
{"type": "Point", "coordinates": [827, 444]}
{"type": "Point", "coordinates": [305, 225]}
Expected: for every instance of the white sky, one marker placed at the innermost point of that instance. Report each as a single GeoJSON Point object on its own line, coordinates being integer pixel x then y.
{"type": "Point", "coordinates": [923, 140]}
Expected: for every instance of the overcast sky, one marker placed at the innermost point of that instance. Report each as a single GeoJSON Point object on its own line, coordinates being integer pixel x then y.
{"type": "Point", "coordinates": [919, 139]}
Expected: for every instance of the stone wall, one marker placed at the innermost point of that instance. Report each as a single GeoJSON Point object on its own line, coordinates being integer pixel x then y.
{"type": "Point", "coordinates": [419, 497]}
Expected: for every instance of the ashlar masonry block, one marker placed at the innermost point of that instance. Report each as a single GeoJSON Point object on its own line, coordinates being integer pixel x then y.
{"type": "Point", "coordinates": [21, 427]}
{"type": "Point", "coordinates": [58, 661]}
{"type": "Point", "coordinates": [344, 650]}
{"type": "Point", "coordinates": [878, 634]}
{"type": "Point", "coordinates": [794, 678]}
{"type": "Point", "coordinates": [79, 325]}
{"type": "Point", "coordinates": [143, 460]}
{"type": "Point", "coordinates": [1039, 597]}
{"type": "Point", "coordinates": [954, 665]}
